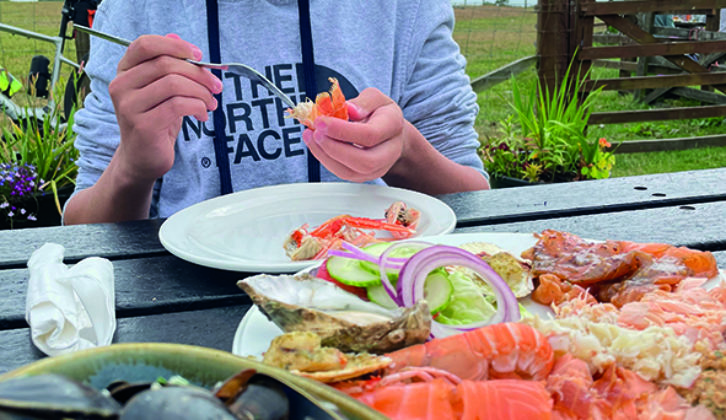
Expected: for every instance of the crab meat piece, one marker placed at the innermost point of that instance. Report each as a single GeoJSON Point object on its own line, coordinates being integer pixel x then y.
{"type": "Point", "coordinates": [329, 104]}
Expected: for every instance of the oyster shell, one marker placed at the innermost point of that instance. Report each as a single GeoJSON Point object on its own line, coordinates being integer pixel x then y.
{"type": "Point", "coordinates": [341, 319]}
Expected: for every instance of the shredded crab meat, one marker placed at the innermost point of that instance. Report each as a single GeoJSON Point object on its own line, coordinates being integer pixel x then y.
{"type": "Point", "coordinates": [655, 353]}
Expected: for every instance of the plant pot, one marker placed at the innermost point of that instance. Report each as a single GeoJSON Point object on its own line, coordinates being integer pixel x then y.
{"type": "Point", "coordinates": [42, 206]}
{"type": "Point", "coordinates": [496, 181]}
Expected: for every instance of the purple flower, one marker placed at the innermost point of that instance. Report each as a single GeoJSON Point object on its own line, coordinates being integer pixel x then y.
{"type": "Point", "coordinates": [17, 182]}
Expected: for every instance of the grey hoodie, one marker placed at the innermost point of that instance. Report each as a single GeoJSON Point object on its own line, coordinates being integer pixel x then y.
{"type": "Point", "coordinates": [402, 47]}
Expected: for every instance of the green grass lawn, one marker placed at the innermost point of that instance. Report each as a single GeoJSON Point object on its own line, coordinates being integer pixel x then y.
{"type": "Point", "coordinates": [16, 52]}
{"type": "Point", "coordinates": [489, 37]}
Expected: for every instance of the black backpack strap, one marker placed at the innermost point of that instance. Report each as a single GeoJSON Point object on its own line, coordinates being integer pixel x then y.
{"type": "Point", "coordinates": [311, 89]}
{"type": "Point", "coordinates": [220, 143]}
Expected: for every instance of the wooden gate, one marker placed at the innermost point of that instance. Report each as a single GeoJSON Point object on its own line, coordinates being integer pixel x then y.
{"type": "Point", "coordinates": [566, 32]}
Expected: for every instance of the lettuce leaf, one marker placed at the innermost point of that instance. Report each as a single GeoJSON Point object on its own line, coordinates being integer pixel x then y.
{"type": "Point", "coordinates": [467, 304]}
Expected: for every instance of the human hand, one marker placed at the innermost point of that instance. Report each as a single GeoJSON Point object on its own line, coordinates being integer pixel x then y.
{"type": "Point", "coordinates": [367, 146]}
{"type": "Point", "coordinates": [153, 90]}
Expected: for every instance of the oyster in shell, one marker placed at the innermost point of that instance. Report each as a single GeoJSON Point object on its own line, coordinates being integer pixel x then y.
{"type": "Point", "coordinates": [301, 353]}
{"type": "Point", "coordinates": [341, 319]}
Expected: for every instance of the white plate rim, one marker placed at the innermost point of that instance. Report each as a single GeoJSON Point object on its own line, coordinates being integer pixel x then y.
{"type": "Point", "coordinates": [169, 232]}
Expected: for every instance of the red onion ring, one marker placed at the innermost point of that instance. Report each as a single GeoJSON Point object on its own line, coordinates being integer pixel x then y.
{"type": "Point", "coordinates": [413, 275]}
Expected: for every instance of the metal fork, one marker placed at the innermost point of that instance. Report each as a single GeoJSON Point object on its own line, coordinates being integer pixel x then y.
{"type": "Point", "coordinates": [237, 68]}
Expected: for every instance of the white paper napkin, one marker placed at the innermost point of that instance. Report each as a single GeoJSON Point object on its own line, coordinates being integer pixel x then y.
{"type": "Point", "coordinates": [69, 308]}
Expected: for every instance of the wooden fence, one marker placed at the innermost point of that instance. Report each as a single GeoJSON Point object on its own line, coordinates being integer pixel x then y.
{"type": "Point", "coordinates": [654, 61]}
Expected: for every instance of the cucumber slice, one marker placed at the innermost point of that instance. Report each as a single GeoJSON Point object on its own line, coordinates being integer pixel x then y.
{"type": "Point", "coordinates": [378, 249]}
{"type": "Point", "coordinates": [350, 271]}
{"type": "Point", "coordinates": [377, 294]}
{"type": "Point", "coordinates": [438, 290]}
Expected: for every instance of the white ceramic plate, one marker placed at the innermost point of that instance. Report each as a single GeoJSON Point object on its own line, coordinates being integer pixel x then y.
{"type": "Point", "coordinates": [255, 331]}
{"type": "Point", "coordinates": [245, 231]}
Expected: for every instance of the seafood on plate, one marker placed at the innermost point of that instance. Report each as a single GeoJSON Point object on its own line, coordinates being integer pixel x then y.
{"type": "Point", "coordinates": [438, 399]}
{"type": "Point", "coordinates": [510, 371]}
{"type": "Point", "coordinates": [655, 353]}
{"type": "Point", "coordinates": [306, 243]}
{"type": "Point", "coordinates": [329, 104]}
{"type": "Point", "coordinates": [514, 270]}
{"type": "Point", "coordinates": [449, 378]}
{"type": "Point", "coordinates": [503, 350]}
{"type": "Point", "coordinates": [690, 310]}
{"type": "Point", "coordinates": [302, 353]}
{"type": "Point", "coordinates": [612, 271]}
{"type": "Point", "coordinates": [508, 350]}
{"type": "Point", "coordinates": [617, 393]}
{"type": "Point", "coordinates": [709, 389]}
{"type": "Point", "coordinates": [341, 319]}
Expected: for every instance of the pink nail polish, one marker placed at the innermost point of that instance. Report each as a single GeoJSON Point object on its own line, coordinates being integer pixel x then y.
{"type": "Point", "coordinates": [319, 135]}
{"type": "Point", "coordinates": [355, 109]}
{"type": "Point", "coordinates": [196, 52]}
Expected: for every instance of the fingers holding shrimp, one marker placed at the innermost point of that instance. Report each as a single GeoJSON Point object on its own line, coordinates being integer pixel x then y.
{"type": "Point", "coordinates": [364, 148]}
{"type": "Point", "coordinates": [350, 161]}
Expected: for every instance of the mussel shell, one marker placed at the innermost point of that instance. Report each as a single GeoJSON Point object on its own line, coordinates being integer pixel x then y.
{"type": "Point", "coordinates": [251, 395]}
{"type": "Point", "coordinates": [175, 402]}
{"type": "Point", "coordinates": [54, 396]}
{"type": "Point", "coordinates": [123, 391]}
{"type": "Point", "coordinates": [263, 400]}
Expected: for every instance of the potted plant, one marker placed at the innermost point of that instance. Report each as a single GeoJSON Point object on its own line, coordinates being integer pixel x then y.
{"type": "Point", "coordinates": [545, 140]}
{"type": "Point", "coordinates": [37, 171]}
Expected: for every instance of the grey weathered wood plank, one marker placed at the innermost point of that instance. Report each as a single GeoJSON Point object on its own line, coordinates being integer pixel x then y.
{"type": "Point", "coordinates": [142, 286]}
{"type": "Point", "coordinates": [209, 328]}
{"type": "Point", "coordinates": [700, 226]}
{"type": "Point", "coordinates": [587, 197]}
{"type": "Point", "coordinates": [680, 143]}
{"type": "Point", "coordinates": [108, 240]}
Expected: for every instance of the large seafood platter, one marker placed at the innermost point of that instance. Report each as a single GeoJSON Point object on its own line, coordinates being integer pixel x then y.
{"type": "Point", "coordinates": [448, 327]}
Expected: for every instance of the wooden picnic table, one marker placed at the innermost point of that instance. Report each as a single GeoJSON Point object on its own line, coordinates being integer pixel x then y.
{"type": "Point", "coordinates": [162, 298]}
